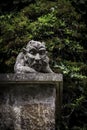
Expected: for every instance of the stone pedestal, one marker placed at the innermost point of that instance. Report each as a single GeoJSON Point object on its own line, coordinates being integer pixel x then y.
{"type": "Point", "coordinates": [30, 101]}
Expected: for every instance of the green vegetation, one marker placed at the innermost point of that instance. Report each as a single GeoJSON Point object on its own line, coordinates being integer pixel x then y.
{"type": "Point", "coordinates": [62, 24]}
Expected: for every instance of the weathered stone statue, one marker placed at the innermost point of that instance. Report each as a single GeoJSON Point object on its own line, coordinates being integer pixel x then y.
{"type": "Point", "coordinates": [33, 58]}
{"type": "Point", "coordinates": [30, 100]}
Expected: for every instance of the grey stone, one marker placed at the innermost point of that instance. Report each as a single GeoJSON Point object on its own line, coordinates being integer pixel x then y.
{"type": "Point", "coordinates": [29, 77]}
{"type": "Point", "coordinates": [33, 59]}
{"type": "Point", "coordinates": [30, 101]}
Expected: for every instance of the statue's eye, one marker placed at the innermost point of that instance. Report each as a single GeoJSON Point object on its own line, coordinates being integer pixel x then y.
{"type": "Point", "coordinates": [33, 52]}
{"type": "Point", "coordinates": [42, 52]}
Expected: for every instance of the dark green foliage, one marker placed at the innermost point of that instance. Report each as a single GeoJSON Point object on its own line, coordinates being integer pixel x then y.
{"type": "Point", "coordinates": [62, 25]}
{"type": "Point", "coordinates": [74, 111]}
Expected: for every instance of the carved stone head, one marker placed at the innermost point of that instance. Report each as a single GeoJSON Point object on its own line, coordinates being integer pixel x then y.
{"type": "Point", "coordinates": [35, 56]}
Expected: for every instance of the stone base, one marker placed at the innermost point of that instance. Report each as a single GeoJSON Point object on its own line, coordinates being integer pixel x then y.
{"type": "Point", "coordinates": [26, 105]}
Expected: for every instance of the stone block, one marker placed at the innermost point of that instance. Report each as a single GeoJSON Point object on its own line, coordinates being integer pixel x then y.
{"type": "Point", "coordinates": [30, 101]}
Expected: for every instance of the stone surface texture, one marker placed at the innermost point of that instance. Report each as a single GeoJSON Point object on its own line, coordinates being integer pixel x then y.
{"type": "Point", "coordinates": [28, 101]}
{"type": "Point", "coordinates": [33, 58]}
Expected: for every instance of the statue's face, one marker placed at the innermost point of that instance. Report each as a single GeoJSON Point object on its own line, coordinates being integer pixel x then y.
{"type": "Point", "coordinates": [36, 55]}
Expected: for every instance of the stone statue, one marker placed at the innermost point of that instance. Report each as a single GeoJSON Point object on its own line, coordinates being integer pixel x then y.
{"type": "Point", "coordinates": [33, 58]}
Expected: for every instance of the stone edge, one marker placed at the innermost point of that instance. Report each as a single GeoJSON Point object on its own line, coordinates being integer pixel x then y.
{"type": "Point", "coordinates": [31, 77]}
